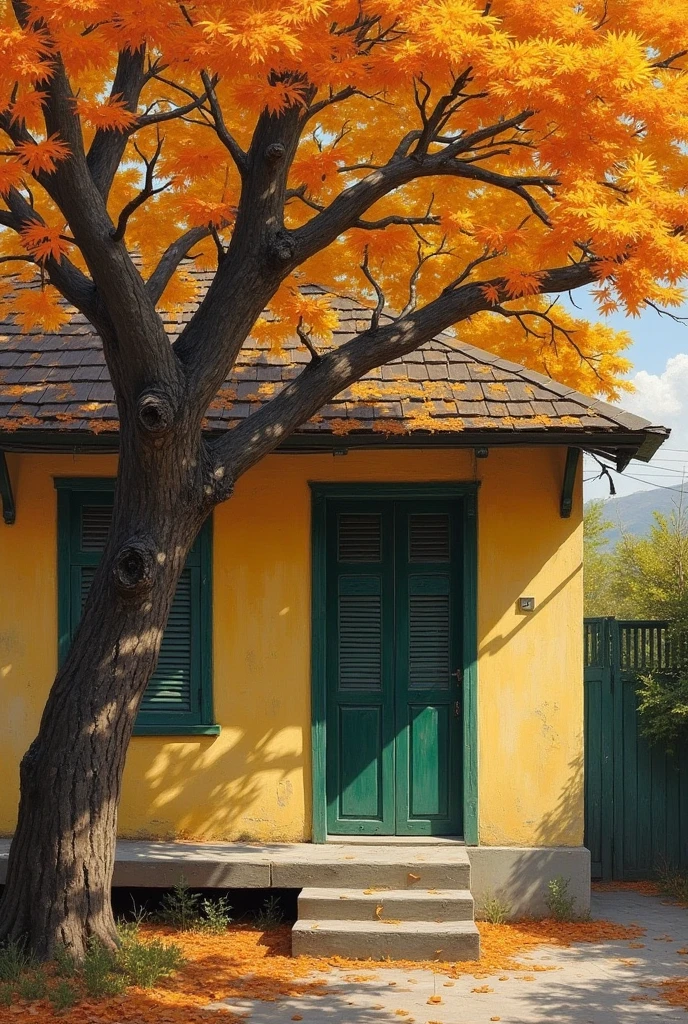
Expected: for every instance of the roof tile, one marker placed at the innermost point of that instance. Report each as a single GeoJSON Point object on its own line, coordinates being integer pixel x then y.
{"type": "Point", "coordinates": [60, 382]}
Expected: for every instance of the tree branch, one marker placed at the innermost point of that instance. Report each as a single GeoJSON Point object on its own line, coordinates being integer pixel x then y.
{"type": "Point", "coordinates": [262, 432]}
{"type": "Point", "coordinates": [349, 206]}
{"type": "Point", "coordinates": [223, 133]}
{"type": "Point", "coordinates": [380, 305]}
{"type": "Point", "coordinates": [108, 147]}
{"type": "Point", "coordinates": [170, 260]}
{"type": "Point", "coordinates": [146, 192]}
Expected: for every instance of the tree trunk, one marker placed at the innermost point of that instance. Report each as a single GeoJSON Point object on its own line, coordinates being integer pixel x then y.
{"type": "Point", "coordinates": [62, 855]}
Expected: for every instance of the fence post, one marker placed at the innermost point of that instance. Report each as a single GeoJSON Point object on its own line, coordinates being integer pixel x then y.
{"type": "Point", "coordinates": [618, 794]}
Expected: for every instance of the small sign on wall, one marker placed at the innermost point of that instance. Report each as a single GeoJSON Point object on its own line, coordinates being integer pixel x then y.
{"type": "Point", "coordinates": [526, 604]}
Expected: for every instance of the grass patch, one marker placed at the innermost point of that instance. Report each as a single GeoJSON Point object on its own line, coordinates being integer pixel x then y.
{"type": "Point", "coordinates": [146, 963]}
{"type": "Point", "coordinates": [14, 961]}
{"type": "Point", "coordinates": [33, 986]}
{"type": "Point", "coordinates": [63, 996]}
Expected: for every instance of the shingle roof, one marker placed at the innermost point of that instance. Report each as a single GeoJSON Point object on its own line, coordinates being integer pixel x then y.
{"type": "Point", "coordinates": [59, 382]}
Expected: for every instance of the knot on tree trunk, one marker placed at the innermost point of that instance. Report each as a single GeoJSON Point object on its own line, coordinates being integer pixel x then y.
{"type": "Point", "coordinates": [220, 485]}
{"type": "Point", "coordinates": [281, 248]}
{"type": "Point", "coordinates": [155, 412]}
{"type": "Point", "coordinates": [134, 568]}
{"type": "Point", "coordinates": [275, 152]}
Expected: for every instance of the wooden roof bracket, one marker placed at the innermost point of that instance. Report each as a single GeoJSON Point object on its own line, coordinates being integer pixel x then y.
{"type": "Point", "coordinates": [9, 511]}
{"type": "Point", "coordinates": [570, 470]}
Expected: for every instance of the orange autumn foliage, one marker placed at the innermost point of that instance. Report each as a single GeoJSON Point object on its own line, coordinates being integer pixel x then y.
{"type": "Point", "coordinates": [245, 963]}
{"type": "Point", "coordinates": [608, 169]}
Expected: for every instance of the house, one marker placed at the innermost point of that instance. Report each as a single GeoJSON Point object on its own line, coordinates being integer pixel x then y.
{"type": "Point", "coordinates": [379, 635]}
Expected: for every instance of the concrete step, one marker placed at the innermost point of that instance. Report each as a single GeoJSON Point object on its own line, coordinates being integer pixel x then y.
{"type": "Point", "coordinates": [407, 940]}
{"type": "Point", "coordinates": [415, 904]}
{"type": "Point", "coordinates": [368, 867]}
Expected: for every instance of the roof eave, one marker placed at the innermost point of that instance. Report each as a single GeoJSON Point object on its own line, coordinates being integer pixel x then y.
{"type": "Point", "coordinates": [621, 445]}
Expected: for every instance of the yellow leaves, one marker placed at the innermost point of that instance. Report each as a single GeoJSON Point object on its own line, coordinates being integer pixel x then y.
{"type": "Point", "coordinates": [640, 171]}
{"type": "Point", "coordinates": [44, 242]}
{"type": "Point", "coordinates": [43, 155]}
{"type": "Point", "coordinates": [110, 116]}
{"type": "Point", "coordinates": [39, 308]}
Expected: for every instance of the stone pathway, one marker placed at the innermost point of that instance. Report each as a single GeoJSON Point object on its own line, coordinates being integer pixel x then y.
{"type": "Point", "coordinates": [590, 985]}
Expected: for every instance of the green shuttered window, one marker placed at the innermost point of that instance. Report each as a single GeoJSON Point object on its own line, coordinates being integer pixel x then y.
{"type": "Point", "coordinates": [178, 698]}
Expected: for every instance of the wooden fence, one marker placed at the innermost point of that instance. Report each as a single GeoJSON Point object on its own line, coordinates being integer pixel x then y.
{"type": "Point", "coordinates": [636, 794]}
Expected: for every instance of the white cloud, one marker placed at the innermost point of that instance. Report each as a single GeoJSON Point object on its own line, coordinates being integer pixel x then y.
{"type": "Point", "coordinates": [663, 399]}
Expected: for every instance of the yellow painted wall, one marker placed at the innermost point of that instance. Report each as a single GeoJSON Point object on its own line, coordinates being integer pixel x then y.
{"type": "Point", "coordinates": [253, 780]}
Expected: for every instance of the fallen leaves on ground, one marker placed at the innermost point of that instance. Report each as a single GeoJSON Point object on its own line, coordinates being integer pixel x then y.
{"type": "Point", "coordinates": [674, 991]}
{"type": "Point", "coordinates": [245, 963]}
{"type": "Point", "coordinates": [644, 888]}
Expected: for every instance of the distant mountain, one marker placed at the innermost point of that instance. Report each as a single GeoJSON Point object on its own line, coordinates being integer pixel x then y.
{"type": "Point", "coordinates": [634, 513]}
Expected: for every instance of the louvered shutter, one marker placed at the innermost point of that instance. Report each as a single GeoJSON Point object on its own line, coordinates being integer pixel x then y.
{"type": "Point", "coordinates": [177, 695]}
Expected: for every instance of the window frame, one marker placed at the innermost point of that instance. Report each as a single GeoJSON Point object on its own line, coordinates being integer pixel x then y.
{"type": "Point", "coordinates": [71, 492]}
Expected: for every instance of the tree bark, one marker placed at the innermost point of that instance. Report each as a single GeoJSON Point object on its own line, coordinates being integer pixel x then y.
{"type": "Point", "coordinates": [62, 856]}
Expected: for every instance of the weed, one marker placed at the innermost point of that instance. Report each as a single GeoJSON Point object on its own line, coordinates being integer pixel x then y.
{"type": "Point", "coordinates": [673, 883]}
{"type": "Point", "coordinates": [560, 903]}
{"type": "Point", "coordinates": [65, 962]}
{"type": "Point", "coordinates": [145, 963]}
{"type": "Point", "coordinates": [100, 971]}
{"type": "Point", "coordinates": [180, 907]}
{"type": "Point", "coordinates": [6, 994]}
{"type": "Point", "coordinates": [14, 960]}
{"type": "Point", "coordinates": [63, 996]}
{"type": "Point", "coordinates": [33, 986]}
{"type": "Point", "coordinates": [270, 914]}
{"type": "Point", "coordinates": [494, 909]}
{"type": "Point", "coordinates": [216, 915]}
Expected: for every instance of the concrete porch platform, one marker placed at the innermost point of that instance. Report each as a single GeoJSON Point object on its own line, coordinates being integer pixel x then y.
{"type": "Point", "coordinates": [283, 865]}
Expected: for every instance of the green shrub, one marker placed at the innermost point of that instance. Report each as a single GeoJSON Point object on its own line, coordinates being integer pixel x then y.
{"type": "Point", "coordinates": [663, 707]}
{"type": "Point", "coordinates": [6, 994]}
{"type": "Point", "coordinates": [494, 909]}
{"type": "Point", "coordinates": [33, 986]}
{"type": "Point", "coordinates": [101, 971]}
{"type": "Point", "coordinates": [270, 914]}
{"type": "Point", "coordinates": [14, 961]}
{"type": "Point", "coordinates": [216, 915]}
{"type": "Point", "coordinates": [63, 996]}
{"type": "Point", "coordinates": [180, 908]}
{"type": "Point", "coordinates": [560, 903]}
{"type": "Point", "coordinates": [145, 963]}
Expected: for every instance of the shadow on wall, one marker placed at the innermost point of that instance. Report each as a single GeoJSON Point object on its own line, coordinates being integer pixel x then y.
{"type": "Point", "coordinates": [520, 877]}
{"type": "Point", "coordinates": [229, 787]}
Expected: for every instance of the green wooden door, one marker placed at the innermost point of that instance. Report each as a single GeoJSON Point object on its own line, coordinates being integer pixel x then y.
{"type": "Point", "coordinates": [393, 717]}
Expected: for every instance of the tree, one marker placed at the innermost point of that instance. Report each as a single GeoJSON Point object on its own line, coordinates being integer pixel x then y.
{"type": "Point", "coordinates": [598, 563]}
{"type": "Point", "coordinates": [451, 160]}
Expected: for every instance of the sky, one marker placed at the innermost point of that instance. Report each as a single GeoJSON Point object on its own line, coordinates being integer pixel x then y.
{"type": "Point", "coordinates": [660, 374]}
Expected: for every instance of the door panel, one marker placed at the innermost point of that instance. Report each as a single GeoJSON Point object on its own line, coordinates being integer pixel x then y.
{"type": "Point", "coordinates": [428, 660]}
{"type": "Point", "coordinates": [360, 685]}
{"type": "Point", "coordinates": [429, 730]}
{"type": "Point", "coordinates": [393, 615]}
{"type": "Point", "coordinates": [360, 784]}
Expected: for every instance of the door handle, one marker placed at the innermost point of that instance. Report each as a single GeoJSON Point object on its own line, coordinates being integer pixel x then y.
{"type": "Point", "coordinates": [458, 675]}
